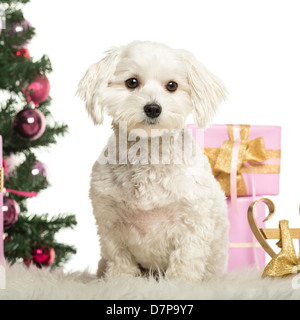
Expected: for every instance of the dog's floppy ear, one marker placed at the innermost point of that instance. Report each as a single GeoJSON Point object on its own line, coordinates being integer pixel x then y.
{"type": "Point", "coordinates": [91, 87]}
{"type": "Point", "coordinates": [207, 91]}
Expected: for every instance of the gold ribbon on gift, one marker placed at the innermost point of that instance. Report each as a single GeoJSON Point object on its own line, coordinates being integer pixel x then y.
{"type": "Point", "coordinates": [251, 153]}
{"type": "Point", "coordinates": [286, 261]}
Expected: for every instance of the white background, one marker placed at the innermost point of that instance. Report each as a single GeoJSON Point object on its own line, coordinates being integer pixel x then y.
{"type": "Point", "coordinates": [253, 46]}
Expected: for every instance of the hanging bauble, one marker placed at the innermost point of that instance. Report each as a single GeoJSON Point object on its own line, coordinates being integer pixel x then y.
{"type": "Point", "coordinates": [43, 256]}
{"type": "Point", "coordinates": [16, 33]}
{"type": "Point", "coordinates": [40, 174]}
{"type": "Point", "coordinates": [11, 211]}
{"type": "Point", "coordinates": [39, 168]}
{"type": "Point", "coordinates": [29, 124]}
{"type": "Point", "coordinates": [24, 52]}
{"type": "Point", "coordinates": [38, 90]}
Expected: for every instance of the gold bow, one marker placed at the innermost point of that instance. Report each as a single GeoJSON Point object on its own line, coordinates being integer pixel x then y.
{"type": "Point", "coordinates": [253, 151]}
{"type": "Point", "coordinates": [285, 262]}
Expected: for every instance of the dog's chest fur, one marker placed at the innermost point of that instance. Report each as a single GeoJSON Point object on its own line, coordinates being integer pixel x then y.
{"type": "Point", "coordinates": [150, 211]}
{"type": "Point", "coordinates": [147, 237]}
{"type": "Point", "coordinates": [150, 205]}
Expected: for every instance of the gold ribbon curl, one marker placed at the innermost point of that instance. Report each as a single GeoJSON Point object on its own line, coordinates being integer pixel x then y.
{"type": "Point", "coordinates": [252, 152]}
{"type": "Point", "coordinates": [285, 262]}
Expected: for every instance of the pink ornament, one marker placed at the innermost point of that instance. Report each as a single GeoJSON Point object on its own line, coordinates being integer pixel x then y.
{"type": "Point", "coordinates": [16, 31]}
{"type": "Point", "coordinates": [39, 168]}
{"type": "Point", "coordinates": [40, 174]}
{"type": "Point", "coordinates": [11, 211]}
{"type": "Point", "coordinates": [29, 124]}
{"type": "Point", "coordinates": [43, 256]}
{"type": "Point", "coordinates": [38, 90]}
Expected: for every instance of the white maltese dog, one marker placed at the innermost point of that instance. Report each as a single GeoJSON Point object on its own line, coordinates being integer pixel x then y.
{"type": "Point", "coordinates": [154, 208]}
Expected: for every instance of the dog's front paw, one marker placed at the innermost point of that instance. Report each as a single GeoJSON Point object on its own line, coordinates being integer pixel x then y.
{"type": "Point", "coordinates": [115, 270]}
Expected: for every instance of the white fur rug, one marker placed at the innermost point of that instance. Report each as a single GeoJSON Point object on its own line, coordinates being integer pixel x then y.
{"type": "Point", "coordinates": [33, 283]}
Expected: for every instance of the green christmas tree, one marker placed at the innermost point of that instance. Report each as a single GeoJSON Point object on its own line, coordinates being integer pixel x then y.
{"type": "Point", "coordinates": [25, 119]}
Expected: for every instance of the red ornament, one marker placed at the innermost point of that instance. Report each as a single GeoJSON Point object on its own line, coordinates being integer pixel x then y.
{"type": "Point", "coordinates": [43, 256]}
{"type": "Point", "coordinates": [11, 211]}
{"type": "Point", "coordinates": [23, 53]}
{"type": "Point", "coordinates": [38, 90]}
{"type": "Point", "coordinates": [29, 124]}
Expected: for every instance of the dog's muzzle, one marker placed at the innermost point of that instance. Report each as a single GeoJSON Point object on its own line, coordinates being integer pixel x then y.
{"type": "Point", "coordinates": [152, 110]}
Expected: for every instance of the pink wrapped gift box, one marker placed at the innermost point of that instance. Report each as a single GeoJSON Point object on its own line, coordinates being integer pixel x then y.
{"type": "Point", "coordinates": [264, 175]}
{"type": "Point", "coordinates": [244, 250]}
{"type": "Point", "coordinates": [1, 202]}
{"type": "Point", "coordinates": [262, 178]}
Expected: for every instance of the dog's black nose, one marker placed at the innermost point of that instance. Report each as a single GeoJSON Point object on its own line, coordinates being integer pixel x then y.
{"type": "Point", "coordinates": [152, 110]}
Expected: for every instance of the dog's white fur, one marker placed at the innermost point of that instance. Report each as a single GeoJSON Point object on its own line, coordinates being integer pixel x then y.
{"type": "Point", "coordinates": [166, 217]}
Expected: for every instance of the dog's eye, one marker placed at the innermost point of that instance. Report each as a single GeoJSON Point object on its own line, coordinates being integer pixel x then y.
{"type": "Point", "coordinates": [132, 83]}
{"type": "Point", "coordinates": [172, 86]}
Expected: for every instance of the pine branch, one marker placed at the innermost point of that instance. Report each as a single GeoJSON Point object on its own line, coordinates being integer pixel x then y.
{"type": "Point", "coordinates": [12, 143]}
{"type": "Point", "coordinates": [16, 73]}
{"type": "Point", "coordinates": [63, 253]}
{"type": "Point", "coordinates": [14, 15]}
{"type": "Point", "coordinates": [23, 180]}
{"type": "Point", "coordinates": [11, 2]}
{"type": "Point", "coordinates": [31, 232]}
